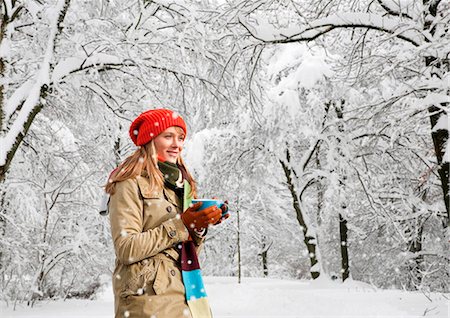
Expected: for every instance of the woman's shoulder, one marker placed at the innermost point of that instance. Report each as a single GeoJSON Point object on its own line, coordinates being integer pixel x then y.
{"type": "Point", "coordinates": [126, 185]}
{"type": "Point", "coordinates": [140, 185]}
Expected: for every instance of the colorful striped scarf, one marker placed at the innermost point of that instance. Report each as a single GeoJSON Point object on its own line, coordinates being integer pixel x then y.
{"type": "Point", "coordinates": [196, 297]}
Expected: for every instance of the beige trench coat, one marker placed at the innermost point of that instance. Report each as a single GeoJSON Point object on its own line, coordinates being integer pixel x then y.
{"type": "Point", "coordinates": [147, 232]}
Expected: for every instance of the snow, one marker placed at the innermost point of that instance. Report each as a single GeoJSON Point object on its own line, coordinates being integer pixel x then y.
{"type": "Point", "coordinates": [294, 66]}
{"type": "Point", "coordinates": [433, 99]}
{"type": "Point", "coordinates": [8, 5]}
{"type": "Point", "coordinates": [442, 123]}
{"type": "Point", "coordinates": [5, 45]}
{"type": "Point", "coordinates": [310, 66]}
{"type": "Point", "coordinates": [65, 135]}
{"type": "Point", "coordinates": [194, 152]}
{"type": "Point", "coordinates": [262, 297]}
{"type": "Point", "coordinates": [33, 8]}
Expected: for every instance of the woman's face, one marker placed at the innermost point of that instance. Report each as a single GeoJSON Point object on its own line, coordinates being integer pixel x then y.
{"type": "Point", "coordinates": [169, 144]}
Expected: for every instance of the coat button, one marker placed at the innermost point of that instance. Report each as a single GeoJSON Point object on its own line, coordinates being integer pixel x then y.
{"type": "Point", "coordinates": [172, 272]}
{"type": "Point", "coordinates": [172, 233]}
{"type": "Point", "coordinates": [169, 209]}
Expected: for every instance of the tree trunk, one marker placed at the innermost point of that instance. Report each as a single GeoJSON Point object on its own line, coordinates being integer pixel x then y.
{"type": "Point", "coordinates": [344, 250]}
{"type": "Point", "coordinates": [309, 240]}
{"type": "Point", "coordinates": [343, 230]}
{"type": "Point", "coordinates": [440, 137]}
{"type": "Point", "coordinates": [264, 261]}
{"type": "Point", "coordinates": [3, 208]}
{"type": "Point", "coordinates": [416, 264]}
{"type": "Point", "coordinates": [117, 151]}
{"type": "Point", "coordinates": [4, 22]}
{"type": "Point", "coordinates": [264, 249]}
{"type": "Point", "coordinates": [238, 242]}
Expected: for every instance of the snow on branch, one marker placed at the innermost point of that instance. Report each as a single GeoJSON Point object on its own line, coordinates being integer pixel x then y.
{"type": "Point", "coordinates": [61, 70]}
{"type": "Point", "coordinates": [15, 133]}
{"type": "Point", "coordinates": [105, 61]}
{"type": "Point", "coordinates": [17, 98]}
{"type": "Point", "coordinates": [268, 33]}
{"type": "Point", "coordinates": [396, 7]}
{"type": "Point", "coordinates": [435, 99]}
{"type": "Point", "coordinates": [75, 64]}
{"type": "Point", "coordinates": [8, 6]}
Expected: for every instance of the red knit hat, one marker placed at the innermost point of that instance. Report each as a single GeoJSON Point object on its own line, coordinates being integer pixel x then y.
{"type": "Point", "coordinates": [151, 123]}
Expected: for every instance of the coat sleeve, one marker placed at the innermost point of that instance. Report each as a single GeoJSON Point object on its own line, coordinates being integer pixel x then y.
{"type": "Point", "coordinates": [130, 243]}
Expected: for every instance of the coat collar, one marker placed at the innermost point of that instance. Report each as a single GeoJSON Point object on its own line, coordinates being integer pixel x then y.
{"type": "Point", "coordinates": [171, 196]}
{"type": "Point", "coordinates": [168, 194]}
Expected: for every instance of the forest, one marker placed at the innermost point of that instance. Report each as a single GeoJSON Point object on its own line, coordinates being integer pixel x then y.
{"type": "Point", "coordinates": [323, 123]}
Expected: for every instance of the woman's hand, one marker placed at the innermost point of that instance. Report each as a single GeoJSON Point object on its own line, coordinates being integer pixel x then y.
{"type": "Point", "coordinates": [198, 220]}
{"type": "Point", "coordinates": [225, 215]}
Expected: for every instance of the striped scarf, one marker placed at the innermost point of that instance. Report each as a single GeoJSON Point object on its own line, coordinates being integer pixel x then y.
{"type": "Point", "coordinates": [196, 297]}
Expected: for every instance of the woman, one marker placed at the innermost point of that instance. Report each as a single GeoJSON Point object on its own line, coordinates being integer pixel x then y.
{"type": "Point", "coordinates": [151, 228]}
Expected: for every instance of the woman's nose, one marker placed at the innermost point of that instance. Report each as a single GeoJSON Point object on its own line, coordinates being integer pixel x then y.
{"type": "Point", "coordinates": [176, 142]}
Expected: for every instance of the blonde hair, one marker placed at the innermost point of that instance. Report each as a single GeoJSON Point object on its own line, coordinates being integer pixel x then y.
{"type": "Point", "coordinates": [146, 159]}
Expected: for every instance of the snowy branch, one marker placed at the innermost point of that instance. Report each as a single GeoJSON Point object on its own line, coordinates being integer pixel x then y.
{"type": "Point", "coordinates": [267, 33]}
{"type": "Point", "coordinates": [103, 61]}
{"type": "Point", "coordinates": [32, 104]}
{"type": "Point", "coordinates": [393, 8]}
{"type": "Point", "coordinates": [10, 14]}
{"type": "Point", "coordinates": [17, 98]}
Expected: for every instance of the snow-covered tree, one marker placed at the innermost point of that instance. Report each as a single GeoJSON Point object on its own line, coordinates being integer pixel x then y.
{"type": "Point", "coordinates": [390, 89]}
{"type": "Point", "coordinates": [416, 32]}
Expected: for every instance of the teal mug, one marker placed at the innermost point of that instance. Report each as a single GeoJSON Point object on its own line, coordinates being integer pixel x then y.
{"type": "Point", "coordinates": [206, 203]}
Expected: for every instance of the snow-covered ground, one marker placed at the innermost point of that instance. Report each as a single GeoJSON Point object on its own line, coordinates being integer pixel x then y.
{"type": "Point", "coordinates": [257, 297]}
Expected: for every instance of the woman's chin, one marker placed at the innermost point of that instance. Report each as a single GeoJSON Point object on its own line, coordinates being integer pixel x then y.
{"type": "Point", "coordinates": [171, 160]}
